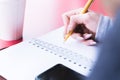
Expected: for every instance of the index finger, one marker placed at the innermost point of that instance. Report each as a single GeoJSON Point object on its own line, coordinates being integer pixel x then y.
{"type": "Point", "coordinates": [66, 17]}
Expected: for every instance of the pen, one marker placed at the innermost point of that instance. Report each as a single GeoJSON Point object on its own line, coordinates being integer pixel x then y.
{"type": "Point", "coordinates": [85, 9]}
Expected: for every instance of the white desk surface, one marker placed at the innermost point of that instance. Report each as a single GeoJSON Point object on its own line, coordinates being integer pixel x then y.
{"type": "Point", "coordinates": [25, 63]}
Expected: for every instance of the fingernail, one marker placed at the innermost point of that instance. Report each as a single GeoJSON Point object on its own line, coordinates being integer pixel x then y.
{"type": "Point", "coordinates": [93, 43]}
{"type": "Point", "coordinates": [80, 38]}
{"type": "Point", "coordinates": [88, 36]}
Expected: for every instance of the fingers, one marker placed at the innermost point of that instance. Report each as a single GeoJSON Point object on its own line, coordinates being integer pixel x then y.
{"type": "Point", "coordinates": [87, 36]}
{"type": "Point", "coordinates": [74, 21]}
{"type": "Point", "coordinates": [89, 42]}
{"type": "Point", "coordinates": [66, 18]}
{"type": "Point", "coordinates": [84, 39]}
{"type": "Point", "coordinates": [72, 24]}
{"type": "Point", "coordinates": [77, 36]}
{"type": "Point", "coordinates": [73, 18]}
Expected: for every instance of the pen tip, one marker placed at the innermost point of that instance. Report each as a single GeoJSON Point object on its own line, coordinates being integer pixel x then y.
{"type": "Point", "coordinates": [68, 35]}
{"type": "Point", "coordinates": [65, 39]}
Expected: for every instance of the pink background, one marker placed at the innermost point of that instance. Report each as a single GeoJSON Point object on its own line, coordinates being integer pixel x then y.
{"type": "Point", "coordinates": [42, 16]}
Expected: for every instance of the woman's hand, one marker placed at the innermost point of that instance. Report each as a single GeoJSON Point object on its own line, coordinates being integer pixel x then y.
{"type": "Point", "coordinates": [84, 25]}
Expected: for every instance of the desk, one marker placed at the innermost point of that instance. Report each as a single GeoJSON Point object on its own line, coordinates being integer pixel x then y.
{"type": "Point", "coordinates": [25, 62]}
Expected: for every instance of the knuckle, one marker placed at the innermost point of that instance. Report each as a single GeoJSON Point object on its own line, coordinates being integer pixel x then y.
{"type": "Point", "coordinates": [72, 18]}
{"type": "Point", "coordinates": [64, 15]}
{"type": "Point", "coordinates": [88, 15]}
{"type": "Point", "coordinates": [87, 18]}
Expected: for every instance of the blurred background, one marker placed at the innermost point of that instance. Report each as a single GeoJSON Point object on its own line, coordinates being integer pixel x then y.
{"type": "Point", "coordinates": [43, 16]}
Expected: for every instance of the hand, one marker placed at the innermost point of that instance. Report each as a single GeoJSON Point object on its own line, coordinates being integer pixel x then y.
{"type": "Point", "coordinates": [89, 22]}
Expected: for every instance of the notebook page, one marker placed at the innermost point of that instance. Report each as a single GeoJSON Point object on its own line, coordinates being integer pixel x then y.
{"type": "Point", "coordinates": [25, 57]}
{"type": "Point", "coordinates": [57, 39]}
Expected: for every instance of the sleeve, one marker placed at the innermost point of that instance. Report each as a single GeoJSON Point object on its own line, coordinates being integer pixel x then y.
{"type": "Point", "coordinates": [104, 25]}
{"type": "Point", "coordinates": [107, 66]}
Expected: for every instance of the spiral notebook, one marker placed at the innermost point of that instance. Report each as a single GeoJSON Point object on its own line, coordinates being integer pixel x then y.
{"type": "Point", "coordinates": [70, 56]}
{"type": "Point", "coordinates": [49, 49]}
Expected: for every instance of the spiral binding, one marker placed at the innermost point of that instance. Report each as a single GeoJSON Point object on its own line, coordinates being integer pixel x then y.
{"type": "Point", "coordinates": [64, 53]}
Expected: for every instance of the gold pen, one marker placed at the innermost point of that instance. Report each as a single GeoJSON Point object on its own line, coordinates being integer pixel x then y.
{"type": "Point", "coordinates": [85, 9]}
